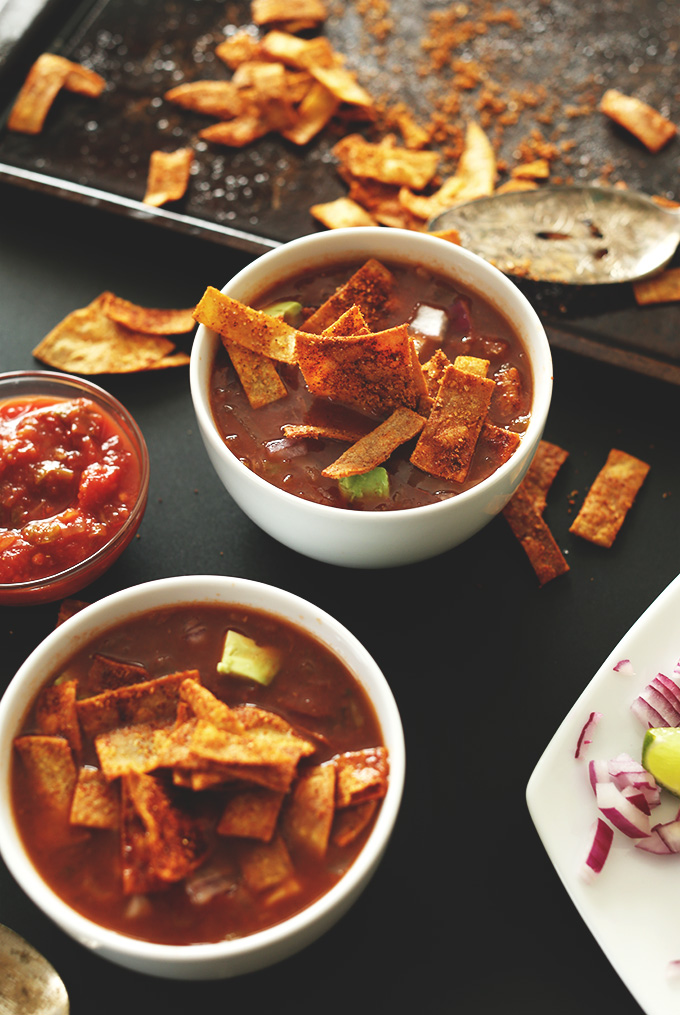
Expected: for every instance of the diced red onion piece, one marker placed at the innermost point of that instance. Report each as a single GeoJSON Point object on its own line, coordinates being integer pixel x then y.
{"type": "Point", "coordinates": [598, 771]}
{"type": "Point", "coordinates": [653, 843]}
{"type": "Point", "coordinates": [623, 814]}
{"type": "Point", "coordinates": [647, 715]}
{"type": "Point", "coordinates": [584, 737]}
{"type": "Point", "coordinates": [624, 666]}
{"type": "Point", "coordinates": [599, 849]}
{"type": "Point", "coordinates": [638, 798]}
{"type": "Point", "coordinates": [625, 771]}
{"type": "Point", "coordinates": [659, 702]}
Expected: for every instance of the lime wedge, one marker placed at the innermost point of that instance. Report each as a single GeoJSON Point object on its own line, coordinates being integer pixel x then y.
{"type": "Point", "coordinates": [661, 756]}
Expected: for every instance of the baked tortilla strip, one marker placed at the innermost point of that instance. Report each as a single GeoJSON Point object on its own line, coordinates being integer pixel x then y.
{"type": "Point", "coordinates": [377, 446]}
{"type": "Point", "coordinates": [535, 537]}
{"type": "Point", "coordinates": [449, 438]}
{"type": "Point", "coordinates": [240, 324]}
{"type": "Point", "coordinates": [368, 288]}
{"type": "Point", "coordinates": [610, 498]}
{"type": "Point", "coordinates": [539, 477]}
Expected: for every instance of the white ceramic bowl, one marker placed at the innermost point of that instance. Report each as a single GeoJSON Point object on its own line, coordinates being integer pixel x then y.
{"type": "Point", "coordinates": [227, 958]}
{"type": "Point", "coordinates": [363, 538]}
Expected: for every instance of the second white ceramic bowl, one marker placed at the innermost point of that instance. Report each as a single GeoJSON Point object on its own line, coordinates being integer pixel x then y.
{"type": "Point", "coordinates": [239, 955]}
{"type": "Point", "coordinates": [368, 539]}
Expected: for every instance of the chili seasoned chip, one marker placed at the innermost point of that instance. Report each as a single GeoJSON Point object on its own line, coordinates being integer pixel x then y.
{"type": "Point", "coordinates": [222, 99]}
{"type": "Point", "coordinates": [150, 701]}
{"type": "Point", "coordinates": [149, 320]}
{"type": "Point", "coordinates": [87, 341]}
{"type": "Point", "coordinates": [342, 213]}
{"type": "Point", "coordinates": [251, 814]}
{"type": "Point", "coordinates": [265, 865]}
{"type": "Point", "coordinates": [361, 776]}
{"type": "Point", "coordinates": [48, 75]}
{"type": "Point", "coordinates": [610, 498]}
{"type": "Point", "coordinates": [661, 288]}
{"type": "Point", "coordinates": [386, 163]}
{"type": "Point", "coordinates": [168, 176]}
{"type": "Point", "coordinates": [241, 325]}
{"type": "Point", "coordinates": [125, 749]}
{"type": "Point", "coordinates": [377, 446]}
{"type": "Point", "coordinates": [305, 13]}
{"type": "Point", "coordinates": [309, 812]}
{"type": "Point", "coordinates": [368, 289]}
{"type": "Point", "coordinates": [257, 374]}
{"type": "Point", "coordinates": [316, 109]}
{"type": "Point", "coordinates": [448, 440]}
{"type": "Point", "coordinates": [56, 714]}
{"type": "Point", "coordinates": [96, 801]}
{"type": "Point", "coordinates": [641, 119]}
{"type": "Point", "coordinates": [51, 769]}
{"type": "Point", "coordinates": [375, 371]}
{"type": "Point", "coordinates": [349, 823]}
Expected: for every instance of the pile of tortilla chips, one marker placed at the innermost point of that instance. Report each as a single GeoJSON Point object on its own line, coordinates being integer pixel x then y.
{"type": "Point", "coordinates": [113, 336]}
{"type": "Point", "coordinates": [340, 357]}
{"type": "Point", "coordinates": [159, 744]}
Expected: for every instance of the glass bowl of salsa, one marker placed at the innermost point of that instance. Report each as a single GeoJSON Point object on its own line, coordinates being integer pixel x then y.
{"type": "Point", "coordinates": [73, 484]}
{"type": "Point", "coordinates": [377, 438]}
{"type": "Point", "coordinates": [198, 775]}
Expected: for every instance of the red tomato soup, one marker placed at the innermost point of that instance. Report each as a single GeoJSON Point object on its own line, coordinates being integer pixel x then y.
{"type": "Point", "coordinates": [179, 803]}
{"type": "Point", "coordinates": [443, 317]}
{"type": "Point", "coordinates": [68, 481]}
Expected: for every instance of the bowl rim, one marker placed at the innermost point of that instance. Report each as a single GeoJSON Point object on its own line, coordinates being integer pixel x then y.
{"type": "Point", "coordinates": [178, 590]}
{"type": "Point", "coordinates": [88, 389]}
{"type": "Point", "coordinates": [542, 392]}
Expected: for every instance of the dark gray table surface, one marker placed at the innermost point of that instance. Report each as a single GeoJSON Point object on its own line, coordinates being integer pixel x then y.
{"type": "Point", "coordinates": [466, 908]}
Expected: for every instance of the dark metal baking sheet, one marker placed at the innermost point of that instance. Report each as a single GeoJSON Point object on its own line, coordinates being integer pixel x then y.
{"type": "Point", "coordinates": [549, 59]}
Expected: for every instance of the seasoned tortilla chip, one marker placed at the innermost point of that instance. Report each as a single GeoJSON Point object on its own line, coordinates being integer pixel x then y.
{"type": "Point", "coordinates": [350, 822]}
{"type": "Point", "coordinates": [610, 498]}
{"type": "Point", "coordinates": [258, 375]}
{"type": "Point", "coordinates": [134, 748]}
{"type": "Point", "coordinates": [642, 120]}
{"type": "Point", "coordinates": [309, 811]}
{"type": "Point", "coordinates": [251, 814]}
{"type": "Point", "coordinates": [237, 133]}
{"type": "Point", "coordinates": [56, 716]}
{"type": "Point", "coordinates": [661, 288]}
{"type": "Point", "coordinates": [108, 673]}
{"type": "Point", "coordinates": [342, 213]}
{"type": "Point", "coordinates": [252, 329]}
{"type": "Point", "coordinates": [87, 341]}
{"type": "Point", "coordinates": [168, 176]}
{"type": "Point", "coordinates": [51, 770]}
{"type": "Point", "coordinates": [302, 431]}
{"type": "Point", "coordinates": [150, 701]}
{"type": "Point", "coordinates": [150, 321]}
{"type": "Point", "coordinates": [205, 705]}
{"type": "Point", "coordinates": [352, 322]}
{"type": "Point", "coordinates": [538, 169]}
{"type": "Point", "coordinates": [448, 440]}
{"type": "Point", "coordinates": [241, 47]}
{"type": "Point", "coordinates": [264, 865]}
{"type": "Point", "coordinates": [298, 52]}
{"type": "Point", "coordinates": [314, 112]}
{"type": "Point", "coordinates": [535, 537]}
{"type": "Point", "coordinates": [377, 446]}
{"type": "Point", "coordinates": [475, 177]}
{"type": "Point", "coordinates": [540, 475]}
{"type": "Point", "coordinates": [46, 77]}
{"type": "Point", "coordinates": [307, 12]}
{"type": "Point", "coordinates": [374, 372]}
{"type": "Point", "coordinates": [472, 365]}
{"type": "Point", "coordinates": [361, 776]}
{"type": "Point", "coordinates": [504, 442]}
{"type": "Point", "coordinates": [68, 608]}
{"type": "Point", "coordinates": [222, 99]}
{"type": "Point", "coordinates": [96, 802]}
{"type": "Point", "coordinates": [342, 84]}
{"type": "Point", "coordinates": [386, 163]}
{"type": "Point", "coordinates": [173, 842]}
{"type": "Point", "coordinates": [368, 289]}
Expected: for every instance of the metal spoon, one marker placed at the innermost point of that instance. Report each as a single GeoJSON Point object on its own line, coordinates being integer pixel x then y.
{"type": "Point", "coordinates": [579, 235]}
{"type": "Point", "coordinates": [29, 985]}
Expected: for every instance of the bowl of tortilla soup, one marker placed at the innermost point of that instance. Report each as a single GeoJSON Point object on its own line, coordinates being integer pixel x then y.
{"type": "Point", "coordinates": [198, 775]}
{"type": "Point", "coordinates": [75, 478]}
{"type": "Point", "coordinates": [370, 397]}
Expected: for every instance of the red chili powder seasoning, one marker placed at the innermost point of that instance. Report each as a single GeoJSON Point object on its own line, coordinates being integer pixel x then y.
{"type": "Point", "coordinates": [69, 479]}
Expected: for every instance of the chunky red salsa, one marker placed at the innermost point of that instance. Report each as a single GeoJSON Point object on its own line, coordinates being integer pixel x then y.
{"type": "Point", "coordinates": [170, 800]}
{"type": "Point", "coordinates": [68, 481]}
{"type": "Point", "coordinates": [443, 318]}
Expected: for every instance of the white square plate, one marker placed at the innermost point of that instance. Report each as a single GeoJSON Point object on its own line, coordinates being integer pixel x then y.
{"type": "Point", "coordinates": [633, 906]}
